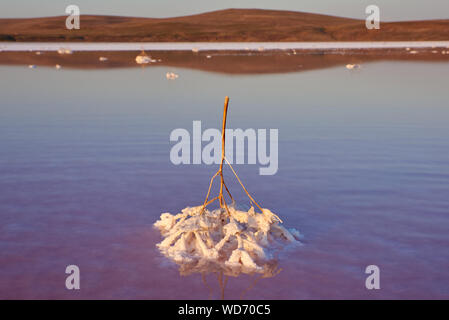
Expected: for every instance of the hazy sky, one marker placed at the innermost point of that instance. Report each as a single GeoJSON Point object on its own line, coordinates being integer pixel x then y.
{"type": "Point", "coordinates": [390, 9]}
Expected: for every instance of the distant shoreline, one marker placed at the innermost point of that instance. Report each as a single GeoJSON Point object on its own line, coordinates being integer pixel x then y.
{"type": "Point", "coordinates": [222, 61]}
{"type": "Point", "coordinates": [217, 46]}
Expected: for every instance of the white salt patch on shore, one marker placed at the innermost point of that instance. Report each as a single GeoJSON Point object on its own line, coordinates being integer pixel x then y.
{"type": "Point", "coordinates": [208, 46]}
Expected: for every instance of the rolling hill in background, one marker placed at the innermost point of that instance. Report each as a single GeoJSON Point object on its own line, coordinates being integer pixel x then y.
{"type": "Point", "coordinates": [252, 25]}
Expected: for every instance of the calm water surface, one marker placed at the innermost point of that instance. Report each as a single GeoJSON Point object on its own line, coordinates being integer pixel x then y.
{"type": "Point", "coordinates": [363, 174]}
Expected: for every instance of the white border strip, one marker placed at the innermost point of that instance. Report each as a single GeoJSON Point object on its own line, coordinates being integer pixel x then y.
{"type": "Point", "coordinates": [204, 46]}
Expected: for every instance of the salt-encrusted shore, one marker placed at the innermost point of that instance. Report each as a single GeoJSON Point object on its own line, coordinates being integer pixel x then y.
{"type": "Point", "coordinates": [216, 46]}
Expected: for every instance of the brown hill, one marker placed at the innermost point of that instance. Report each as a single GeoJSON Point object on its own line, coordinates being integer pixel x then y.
{"type": "Point", "coordinates": [224, 25]}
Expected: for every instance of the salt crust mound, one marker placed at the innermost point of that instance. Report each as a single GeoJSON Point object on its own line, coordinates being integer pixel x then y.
{"type": "Point", "coordinates": [241, 242]}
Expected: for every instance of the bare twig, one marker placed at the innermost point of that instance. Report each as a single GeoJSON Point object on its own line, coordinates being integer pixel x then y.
{"type": "Point", "coordinates": [220, 196]}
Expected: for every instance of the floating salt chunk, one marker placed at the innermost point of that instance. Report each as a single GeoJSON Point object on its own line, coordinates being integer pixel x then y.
{"type": "Point", "coordinates": [407, 49]}
{"type": "Point", "coordinates": [294, 52]}
{"type": "Point", "coordinates": [195, 50]}
{"type": "Point", "coordinates": [208, 56]}
{"type": "Point", "coordinates": [434, 51]}
{"type": "Point", "coordinates": [65, 51]}
{"type": "Point", "coordinates": [171, 76]}
{"type": "Point", "coordinates": [352, 66]}
{"type": "Point", "coordinates": [143, 59]}
{"type": "Point", "coordinates": [38, 53]}
{"type": "Point", "coordinates": [57, 67]}
{"type": "Point", "coordinates": [260, 49]}
{"type": "Point", "coordinates": [242, 240]}
{"type": "Point", "coordinates": [413, 52]}
{"type": "Point", "coordinates": [103, 59]}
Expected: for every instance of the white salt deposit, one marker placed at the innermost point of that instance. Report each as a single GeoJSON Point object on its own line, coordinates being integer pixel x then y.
{"type": "Point", "coordinates": [352, 66]}
{"type": "Point", "coordinates": [171, 76]}
{"type": "Point", "coordinates": [242, 242]}
{"type": "Point", "coordinates": [208, 46]}
{"type": "Point", "coordinates": [64, 51]}
{"type": "Point", "coordinates": [143, 59]}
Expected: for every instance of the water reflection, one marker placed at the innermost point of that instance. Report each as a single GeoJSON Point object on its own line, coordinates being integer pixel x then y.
{"type": "Point", "coordinates": [225, 62]}
{"type": "Point", "coordinates": [222, 272]}
{"type": "Point", "coordinates": [363, 174]}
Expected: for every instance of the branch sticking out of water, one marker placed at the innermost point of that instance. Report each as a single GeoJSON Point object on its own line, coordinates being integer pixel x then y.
{"type": "Point", "coordinates": [220, 196]}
